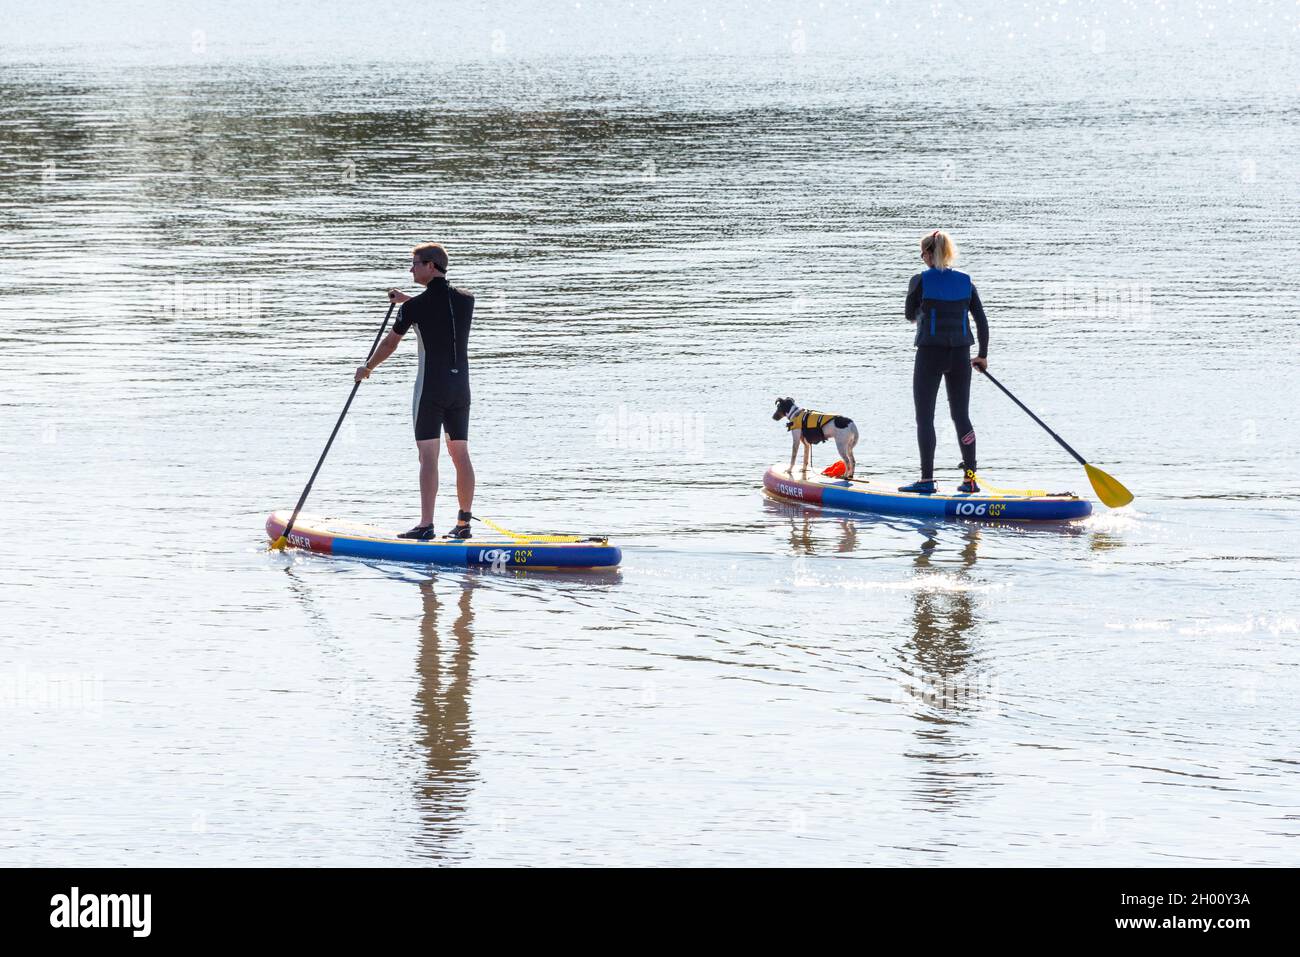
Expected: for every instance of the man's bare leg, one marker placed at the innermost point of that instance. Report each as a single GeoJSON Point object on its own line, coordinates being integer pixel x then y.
{"type": "Point", "coordinates": [428, 449]}
{"type": "Point", "coordinates": [459, 452]}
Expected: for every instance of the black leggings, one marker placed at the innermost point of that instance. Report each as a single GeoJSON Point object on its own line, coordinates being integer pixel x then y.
{"type": "Point", "coordinates": [953, 366]}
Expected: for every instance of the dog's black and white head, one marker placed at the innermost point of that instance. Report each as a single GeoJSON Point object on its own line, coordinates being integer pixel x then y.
{"type": "Point", "coordinates": [783, 407]}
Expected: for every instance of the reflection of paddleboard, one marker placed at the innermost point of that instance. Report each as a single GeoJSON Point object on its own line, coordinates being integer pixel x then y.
{"type": "Point", "coordinates": [860, 495]}
{"type": "Point", "coordinates": [365, 541]}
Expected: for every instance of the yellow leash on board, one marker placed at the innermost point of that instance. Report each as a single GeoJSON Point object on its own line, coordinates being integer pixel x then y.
{"type": "Point", "coordinates": [1027, 492]}
{"type": "Point", "coordinates": [544, 539]}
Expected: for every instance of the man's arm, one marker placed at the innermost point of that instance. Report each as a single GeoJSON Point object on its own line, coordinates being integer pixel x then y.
{"type": "Point", "coordinates": [386, 349]}
{"type": "Point", "coordinates": [389, 345]}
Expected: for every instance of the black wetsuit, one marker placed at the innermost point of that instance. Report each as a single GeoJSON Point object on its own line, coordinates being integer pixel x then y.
{"type": "Point", "coordinates": [441, 316]}
{"type": "Point", "coordinates": [951, 363]}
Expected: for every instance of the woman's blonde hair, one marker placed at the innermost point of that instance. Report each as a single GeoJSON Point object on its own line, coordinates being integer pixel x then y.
{"type": "Point", "coordinates": [942, 246]}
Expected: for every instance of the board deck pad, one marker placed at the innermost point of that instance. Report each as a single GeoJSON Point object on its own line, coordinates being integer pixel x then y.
{"type": "Point", "coordinates": [863, 495]}
{"type": "Point", "coordinates": [332, 536]}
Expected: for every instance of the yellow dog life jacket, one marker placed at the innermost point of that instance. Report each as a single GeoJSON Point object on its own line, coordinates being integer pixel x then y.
{"type": "Point", "coordinates": [808, 419]}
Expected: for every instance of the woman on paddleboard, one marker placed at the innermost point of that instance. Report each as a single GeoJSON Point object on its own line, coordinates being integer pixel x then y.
{"type": "Point", "coordinates": [941, 301]}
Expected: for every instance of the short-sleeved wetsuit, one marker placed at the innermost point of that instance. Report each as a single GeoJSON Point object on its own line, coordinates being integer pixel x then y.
{"type": "Point", "coordinates": [441, 316]}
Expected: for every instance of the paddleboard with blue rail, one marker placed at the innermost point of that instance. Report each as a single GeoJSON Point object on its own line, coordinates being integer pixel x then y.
{"type": "Point", "coordinates": [865, 496]}
{"type": "Point", "coordinates": [335, 537]}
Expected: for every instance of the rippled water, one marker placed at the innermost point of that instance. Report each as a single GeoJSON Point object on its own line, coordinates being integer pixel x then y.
{"type": "Point", "coordinates": [194, 252]}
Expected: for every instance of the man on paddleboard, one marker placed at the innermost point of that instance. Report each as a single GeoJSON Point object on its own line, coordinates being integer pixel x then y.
{"type": "Point", "coordinates": [441, 316]}
{"type": "Point", "coordinates": [940, 301]}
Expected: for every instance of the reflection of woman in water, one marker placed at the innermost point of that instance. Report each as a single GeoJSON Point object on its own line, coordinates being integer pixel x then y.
{"type": "Point", "coordinates": [942, 617]}
{"type": "Point", "coordinates": [938, 657]}
{"type": "Point", "coordinates": [443, 709]}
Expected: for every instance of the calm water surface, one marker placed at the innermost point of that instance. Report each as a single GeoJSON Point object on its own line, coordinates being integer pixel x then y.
{"type": "Point", "coordinates": [192, 262]}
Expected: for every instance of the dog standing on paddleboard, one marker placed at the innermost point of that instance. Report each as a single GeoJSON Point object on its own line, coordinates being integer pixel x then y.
{"type": "Point", "coordinates": [808, 427]}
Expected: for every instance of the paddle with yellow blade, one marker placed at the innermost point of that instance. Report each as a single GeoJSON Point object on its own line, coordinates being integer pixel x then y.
{"type": "Point", "coordinates": [1108, 489]}
{"type": "Point", "coordinates": [282, 542]}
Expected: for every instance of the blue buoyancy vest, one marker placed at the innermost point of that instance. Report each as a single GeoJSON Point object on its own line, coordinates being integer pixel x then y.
{"type": "Point", "coordinates": [945, 300]}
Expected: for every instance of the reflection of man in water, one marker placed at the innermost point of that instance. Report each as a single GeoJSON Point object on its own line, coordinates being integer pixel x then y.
{"type": "Point", "coordinates": [443, 710]}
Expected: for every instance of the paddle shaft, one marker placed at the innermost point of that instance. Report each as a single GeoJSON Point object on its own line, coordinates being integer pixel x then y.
{"type": "Point", "coordinates": [347, 405]}
{"type": "Point", "coordinates": [1064, 444]}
